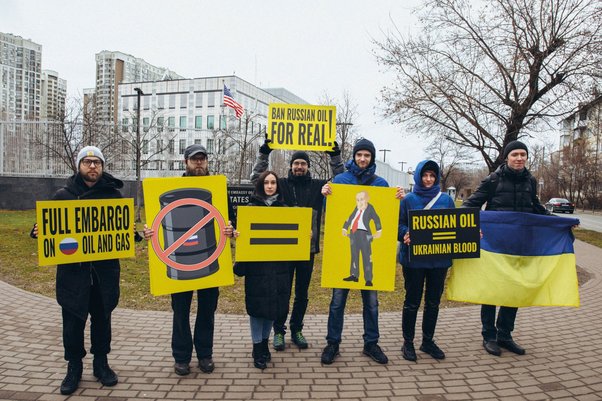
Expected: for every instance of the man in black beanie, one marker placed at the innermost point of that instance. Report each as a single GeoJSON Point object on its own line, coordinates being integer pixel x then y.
{"type": "Point", "coordinates": [301, 190]}
{"type": "Point", "coordinates": [510, 188]}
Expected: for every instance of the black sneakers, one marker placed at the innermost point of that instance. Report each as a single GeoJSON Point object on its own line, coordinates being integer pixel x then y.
{"type": "Point", "coordinates": [299, 340]}
{"type": "Point", "coordinates": [103, 372]}
{"type": "Point", "coordinates": [373, 351]}
{"type": "Point", "coordinates": [408, 352]}
{"type": "Point", "coordinates": [432, 349]}
{"type": "Point", "coordinates": [492, 347]}
{"type": "Point", "coordinates": [181, 368]}
{"type": "Point", "coordinates": [330, 353]}
{"type": "Point", "coordinates": [71, 381]}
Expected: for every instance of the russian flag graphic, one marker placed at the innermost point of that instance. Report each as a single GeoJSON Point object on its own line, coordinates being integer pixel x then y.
{"type": "Point", "coordinates": [192, 240]}
{"type": "Point", "coordinates": [68, 246]}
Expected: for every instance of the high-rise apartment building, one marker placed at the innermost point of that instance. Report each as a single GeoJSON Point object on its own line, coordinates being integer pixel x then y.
{"type": "Point", "coordinates": [20, 78]}
{"type": "Point", "coordinates": [115, 68]}
{"type": "Point", "coordinates": [54, 94]}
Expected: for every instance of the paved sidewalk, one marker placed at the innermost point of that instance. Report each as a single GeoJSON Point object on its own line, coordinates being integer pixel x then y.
{"type": "Point", "coordinates": [563, 361]}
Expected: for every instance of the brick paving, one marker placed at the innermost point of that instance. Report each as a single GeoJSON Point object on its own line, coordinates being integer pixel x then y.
{"type": "Point", "coordinates": [563, 361]}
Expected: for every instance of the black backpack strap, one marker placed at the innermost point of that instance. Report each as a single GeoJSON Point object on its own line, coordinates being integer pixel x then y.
{"type": "Point", "coordinates": [370, 180]}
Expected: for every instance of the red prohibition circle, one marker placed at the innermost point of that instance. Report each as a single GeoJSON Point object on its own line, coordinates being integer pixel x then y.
{"type": "Point", "coordinates": [163, 255]}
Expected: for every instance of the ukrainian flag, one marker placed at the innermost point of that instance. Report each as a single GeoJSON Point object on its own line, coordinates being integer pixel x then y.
{"type": "Point", "coordinates": [526, 260]}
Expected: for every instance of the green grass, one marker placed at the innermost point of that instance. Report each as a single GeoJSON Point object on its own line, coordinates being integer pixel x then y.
{"type": "Point", "coordinates": [19, 267]}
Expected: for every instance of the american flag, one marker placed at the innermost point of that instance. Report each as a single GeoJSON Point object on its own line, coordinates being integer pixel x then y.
{"type": "Point", "coordinates": [230, 102]}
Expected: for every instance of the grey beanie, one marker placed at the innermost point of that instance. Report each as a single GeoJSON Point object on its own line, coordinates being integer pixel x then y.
{"type": "Point", "coordinates": [89, 151]}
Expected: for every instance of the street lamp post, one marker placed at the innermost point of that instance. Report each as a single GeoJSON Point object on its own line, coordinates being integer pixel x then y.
{"type": "Point", "coordinates": [384, 154]}
{"type": "Point", "coordinates": [344, 126]}
{"type": "Point", "coordinates": [139, 94]}
{"type": "Point", "coordinates": [402, 163]}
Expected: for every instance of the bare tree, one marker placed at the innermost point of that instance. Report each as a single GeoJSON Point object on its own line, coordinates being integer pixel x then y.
{"type": "Point", "coordinates": [75, 128]}
{"type": "Point", "coordinates": [480, 77]}
{"type": "Point", "coordinates": [451, 159]}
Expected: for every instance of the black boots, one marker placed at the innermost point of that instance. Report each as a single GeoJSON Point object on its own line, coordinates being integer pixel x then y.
{"type": "Point", "coordinates": [261, 354]}
{"type": "Point", "coordinates": [103, 372]}
{"type": "Point", "coordinates": [71, 380]}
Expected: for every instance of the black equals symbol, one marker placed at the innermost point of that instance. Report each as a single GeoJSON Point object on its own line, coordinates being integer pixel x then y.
{"type": "Point", "coordinates": [274, 227]}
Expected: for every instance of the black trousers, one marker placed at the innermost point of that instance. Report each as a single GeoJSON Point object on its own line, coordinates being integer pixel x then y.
{"type": "Point", "coordinates": [100, 328]}
{"type": "Point", "coordinates": [415, 280]}
{"type": "Point", "coordinates": [181, 337]}
{"type": "Point", "coordinates": [301, 271]}
{"type": "Point", "coordinates": [500, 330]}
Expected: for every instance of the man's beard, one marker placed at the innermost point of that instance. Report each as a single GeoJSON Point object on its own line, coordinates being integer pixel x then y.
{"type": "Point", "coordinates": [88, 178]}
{"type": "Point", "coordinates": [197, 171]}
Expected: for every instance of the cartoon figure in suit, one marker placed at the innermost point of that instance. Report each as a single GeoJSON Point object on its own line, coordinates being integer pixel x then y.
{"type": "Point", "coordinates": [357, 228]}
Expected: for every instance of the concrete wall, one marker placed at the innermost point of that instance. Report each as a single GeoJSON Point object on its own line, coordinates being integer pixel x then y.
{"type": "Point", "coordinates": [21, 193]}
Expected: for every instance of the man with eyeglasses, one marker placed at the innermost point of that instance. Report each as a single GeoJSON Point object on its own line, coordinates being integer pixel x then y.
{"type": "Point", "coordinates": [182, 340]}
{"type": "Point", "coordinates": [301, 190]}
{"type": "Point", "coordinates": [88, 288]}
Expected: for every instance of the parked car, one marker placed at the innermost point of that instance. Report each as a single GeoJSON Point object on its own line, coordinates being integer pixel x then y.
{"type": "Point", "coordinates": [557, 205]}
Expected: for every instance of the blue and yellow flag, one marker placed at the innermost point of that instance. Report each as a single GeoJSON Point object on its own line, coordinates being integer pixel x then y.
{"type": "Point", "coordinates": [526, 260]}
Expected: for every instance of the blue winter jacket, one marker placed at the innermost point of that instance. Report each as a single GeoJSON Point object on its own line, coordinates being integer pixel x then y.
{"type": "Point", "coordinates": [357, 176]}
{"type": "Point", "coordinates": [414, 201]}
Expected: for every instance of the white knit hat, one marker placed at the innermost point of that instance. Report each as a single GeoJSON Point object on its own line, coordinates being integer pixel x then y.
{"type": "Point", "coordinates": [90, 151]}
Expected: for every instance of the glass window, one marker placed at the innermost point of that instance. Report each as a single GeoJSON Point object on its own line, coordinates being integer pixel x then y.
{"type": "Point", "coordinates": [160, 124]}
{"type": "Point", "coordinates": [146, 102]}
{"type": "Point", "coordinates": [210, 99]}
{"type": "Point", "coordinates": [172, 101]}
{"type": "Point", "coordinates": [145, 123]}
{"type": "Point", "coordinates": [159, 145]}
{"type": "Point", "coordinates": [124, 125]}
{"type": "Point", "coordinates": [197, 142]}
{"type": "Point", "coordinates": [198, 100]}
{"type": "Point", "coordinates": [209, 145]}
{"type": "Point", "coordinates": [171, 146]}
{"type": "Point", "coordinates": [182, 123]}
{"type": "Point", "coordinates": [184, 100]}
{"type": "Point", "coordinates": [182, 146]}
{"type": "Point", "coordinates": [210, 122]}
{"type": "Point", "coordinates": [160, 102]}
{"type": "Point", "coordinates": [222, 121]}
{"type": "Point", "coordinates": [198, 122]}
{"type": "Point", "coordinates": [171, 122]}
{"type": "Point", "coordinates": [145, 146]}
{"type": "Point", "coordinates": [126, 103]}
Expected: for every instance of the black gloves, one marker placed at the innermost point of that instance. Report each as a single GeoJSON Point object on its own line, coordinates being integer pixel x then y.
{"type": "Point", "coordinates": [336, 151]}
{"type": "Point", "coordinates": [265, 148]}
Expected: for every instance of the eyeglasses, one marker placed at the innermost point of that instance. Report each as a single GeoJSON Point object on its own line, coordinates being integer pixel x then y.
{"type": "Point", "coordinates": [198, 159]}
{"type": "Point", "coordinates": [299, 164]}
{"type": "Point", "coordinates": [89, 162]}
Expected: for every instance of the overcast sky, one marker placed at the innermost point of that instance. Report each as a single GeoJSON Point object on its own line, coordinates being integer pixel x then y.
{"type": "Point", "coordinates": [310, 47]}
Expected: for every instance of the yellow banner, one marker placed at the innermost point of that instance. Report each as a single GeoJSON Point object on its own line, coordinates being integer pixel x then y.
{"type": "Point", "coordinates": [188, 250]}
{"type": "Point", "coordinates": [301, 126]}
{"type": "Point", "coordinates": [85, 230]}
{"type": "Point", "coordinates": [360, 238]}
{"type": "Point", "coordinates": [273, 233]}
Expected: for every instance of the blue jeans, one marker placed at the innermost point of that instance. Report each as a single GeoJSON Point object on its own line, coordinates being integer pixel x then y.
{"type": "Point", "coordinates": [260, 328]}
{"type": "Point", "coordinates": [336, 315]}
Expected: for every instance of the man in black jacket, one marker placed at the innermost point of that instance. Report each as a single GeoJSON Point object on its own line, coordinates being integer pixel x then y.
{"type": "Point", "coordinates": [301, 190]}
{"type": "Point", "coordinates": [88, 288]}
{"type": "Point", "coordinates": [182, 339]}
{"type": "Point", "coordinates": [510, 188]}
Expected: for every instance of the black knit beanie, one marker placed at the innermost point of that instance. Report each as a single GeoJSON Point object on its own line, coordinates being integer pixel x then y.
{"type": "Point", "coordinates": [364, 144]}
{"type": "Point", "coordinates": [513, 146]}
{"type": "Point", "coordinates": [300, 155]}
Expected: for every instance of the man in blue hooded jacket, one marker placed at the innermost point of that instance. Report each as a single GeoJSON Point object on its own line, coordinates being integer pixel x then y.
{"type": "Point", "coordinates": [360, 171]}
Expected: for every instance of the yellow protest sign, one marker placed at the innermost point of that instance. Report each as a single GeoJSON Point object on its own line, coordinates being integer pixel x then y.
{"type": "Point", "coordinates": [84, 230]}
{"type": "Point", "coordinates": [273, 233]}
{"type": "Point", "coordinates": [360, 238]}
{"type": "Point", "coordinates": [188, 250]}
{"type": "Point", "coordinates": [301, 126]}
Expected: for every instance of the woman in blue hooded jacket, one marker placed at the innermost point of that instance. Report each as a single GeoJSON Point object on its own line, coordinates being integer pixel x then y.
{"type": "Point", "coordinates": [425, 195]}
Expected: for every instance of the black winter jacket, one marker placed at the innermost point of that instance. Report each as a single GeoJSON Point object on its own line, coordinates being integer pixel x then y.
{"type": "Point", "coordinates": [267, 284]}
{"type": "Point", "coordinates": [302, 191]}
{"type": "Point", "coordinates": [507, 190]}
{"type": "Point", "coordinates": [73, 280]}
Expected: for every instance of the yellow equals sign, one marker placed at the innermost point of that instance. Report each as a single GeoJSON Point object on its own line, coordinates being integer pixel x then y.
{"type": "Point", "coordinates": [443, 235]}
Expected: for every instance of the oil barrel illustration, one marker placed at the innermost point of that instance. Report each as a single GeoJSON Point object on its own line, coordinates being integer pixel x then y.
{"type": "Point", "coordinates": [200, 245]}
